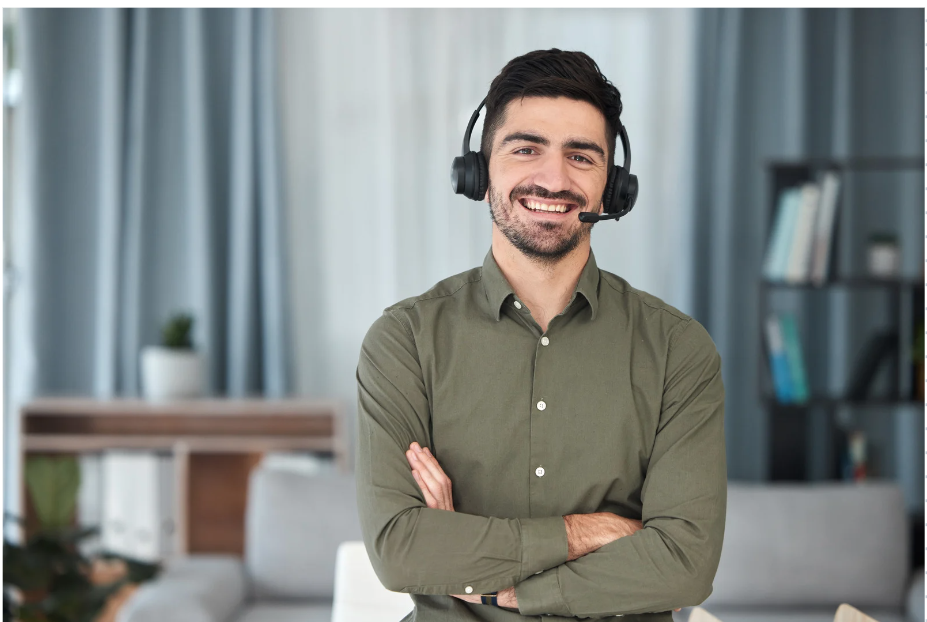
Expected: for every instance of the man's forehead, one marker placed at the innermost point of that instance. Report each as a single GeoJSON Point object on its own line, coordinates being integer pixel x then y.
{"type": "Point", "coordinates": [562, 116]}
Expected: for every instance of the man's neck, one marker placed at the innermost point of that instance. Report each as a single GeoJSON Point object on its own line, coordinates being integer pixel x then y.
{"type": "Point", "coordinates": [545, 288]}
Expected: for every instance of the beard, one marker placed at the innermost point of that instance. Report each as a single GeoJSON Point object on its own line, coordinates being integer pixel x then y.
{"type": "Point", "coordinates": [542, 242]}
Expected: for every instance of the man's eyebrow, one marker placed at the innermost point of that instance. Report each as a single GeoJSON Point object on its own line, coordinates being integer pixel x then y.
{"type": "Point", "coordinates": [585, 145]}
{"type": "Point", "coordinates": [525, 136]}
{"type": "Point", "coordinates": [574, 143]}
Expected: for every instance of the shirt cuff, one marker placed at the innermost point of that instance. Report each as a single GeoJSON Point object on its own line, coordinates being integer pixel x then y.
{"type": "Point", "coordinates": [543, 543]}
{"type": "Point", "coordinates": [541, 594]}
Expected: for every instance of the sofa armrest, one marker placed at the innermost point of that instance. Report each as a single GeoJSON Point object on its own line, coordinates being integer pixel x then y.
{"type": "Point", "coordinates": [197, 588]}
{"type": "Point", "coordinates": [914, 605]}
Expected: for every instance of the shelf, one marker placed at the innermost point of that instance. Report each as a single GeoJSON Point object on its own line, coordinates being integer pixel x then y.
{"type": "Point", "coordinates": [850, 282]}
{"type": "Point", "coordinates": [840, 401]}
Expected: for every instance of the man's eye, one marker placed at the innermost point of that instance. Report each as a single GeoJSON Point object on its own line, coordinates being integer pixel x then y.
{"type": "Point", "coordinates": [582, 159]}
{"type": "Point", "coordinates": [524, 149]}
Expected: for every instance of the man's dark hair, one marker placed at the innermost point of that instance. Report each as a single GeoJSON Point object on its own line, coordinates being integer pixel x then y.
{"type": "Point", "coordinates": [551, 73]}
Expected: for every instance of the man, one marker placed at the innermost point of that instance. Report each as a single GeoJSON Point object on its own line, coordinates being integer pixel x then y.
{"type": "Point", "coordinates": [535, 433]}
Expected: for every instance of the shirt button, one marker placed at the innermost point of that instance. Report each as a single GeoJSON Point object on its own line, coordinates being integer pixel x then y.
{"type": "Point", "coordinates": [544, 341]}
{"type": "Point", "coordinates": [517, 305]}
{"type": "Point", "coordinates": [539, 471]}
{"type": "Point", "coordinates": [542, 405]}
{"type": "Point", "coordinates": [468, 589]}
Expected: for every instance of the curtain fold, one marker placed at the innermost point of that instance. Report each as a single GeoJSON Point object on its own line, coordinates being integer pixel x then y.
{"type": "Point", "coordinates": [149, 183]}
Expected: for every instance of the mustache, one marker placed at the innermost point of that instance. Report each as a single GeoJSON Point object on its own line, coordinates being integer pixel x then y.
{"type": "Point", "coordinates": [543, 193]}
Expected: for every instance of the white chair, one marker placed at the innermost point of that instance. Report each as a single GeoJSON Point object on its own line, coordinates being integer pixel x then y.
{"type": "Point", "coordinates": [849, 613]}
{"type": "Point", "coordinates": [359, 595]}
{"type": "Point", "coordinates": [701, 615]}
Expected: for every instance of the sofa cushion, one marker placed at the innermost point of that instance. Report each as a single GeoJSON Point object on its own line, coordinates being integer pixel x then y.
{"type": "Point", "coordinates": [788, 544]}
{"type": "Point", "coordinates": [282, 612]}
{"type": "Point", "coordinates": [294, 524]}
{"type": "Point", "coordinates": [787, 614]}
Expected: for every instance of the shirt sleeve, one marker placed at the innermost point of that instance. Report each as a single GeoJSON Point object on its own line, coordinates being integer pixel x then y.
{"type": "Point", "coordinates": [672, 561]}
{"type": "Point", "coordinates": [414, 548]}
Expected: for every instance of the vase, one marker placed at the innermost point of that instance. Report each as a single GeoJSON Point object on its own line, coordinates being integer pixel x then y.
{"type": "Point", "coordinates": [172, 373]}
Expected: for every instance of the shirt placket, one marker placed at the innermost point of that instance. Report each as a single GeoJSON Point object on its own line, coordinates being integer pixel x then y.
{"type": "Point", "coordinates": [544, 413]}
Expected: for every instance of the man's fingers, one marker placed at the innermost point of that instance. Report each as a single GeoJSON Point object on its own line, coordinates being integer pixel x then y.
{"type": "Point", "coordinates": [430, 501]}
{"type": "Point", "coordinates": [435, 485]}
{"type": "Point", "coordinates": [427, 482]}
{"type": "Point", "coordinates": [433, 474]}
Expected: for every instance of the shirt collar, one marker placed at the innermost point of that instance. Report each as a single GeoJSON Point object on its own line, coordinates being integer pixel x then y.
{"type": "Point", "coordinates": [497, 288]}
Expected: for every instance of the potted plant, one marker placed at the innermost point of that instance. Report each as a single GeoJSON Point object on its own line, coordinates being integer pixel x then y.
{"type": "Point", "coordinates": [47, 578]}
{"type": "Point", "coordinates": [174, 370]}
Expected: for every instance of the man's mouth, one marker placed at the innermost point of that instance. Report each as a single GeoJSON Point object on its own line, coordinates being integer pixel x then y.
{"type": "Point", "coordinates": [547, 207]}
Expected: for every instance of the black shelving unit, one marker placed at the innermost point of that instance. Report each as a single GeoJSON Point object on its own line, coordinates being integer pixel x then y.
{"type": "Point", "coordinates": [789, 432]}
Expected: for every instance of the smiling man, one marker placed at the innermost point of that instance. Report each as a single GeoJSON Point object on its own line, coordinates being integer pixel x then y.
{"type": "Point", "coordinates": [535, 435]}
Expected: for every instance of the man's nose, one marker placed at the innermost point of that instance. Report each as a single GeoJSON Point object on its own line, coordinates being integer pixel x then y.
{"type": "Point", "coordinates": [553, 173]}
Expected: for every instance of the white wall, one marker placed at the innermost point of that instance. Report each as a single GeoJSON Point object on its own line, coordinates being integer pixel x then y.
{"type": "Point", "coordinates": [374, 105]}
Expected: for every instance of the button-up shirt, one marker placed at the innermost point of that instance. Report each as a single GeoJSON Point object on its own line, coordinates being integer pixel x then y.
{"type": "Point", "coordinates": [618, 407]}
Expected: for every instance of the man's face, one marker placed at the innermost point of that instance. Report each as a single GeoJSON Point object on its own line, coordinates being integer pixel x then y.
{"type": "Point", "coordinates": [548, 163]}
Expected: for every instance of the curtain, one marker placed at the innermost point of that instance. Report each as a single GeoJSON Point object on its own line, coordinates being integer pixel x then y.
{"type": "Point", "coordinates": [148, 182]}
{"type": "Point", "coordinates": [374, 106]}
{"type": "Point", "coordinates": [794, 84]}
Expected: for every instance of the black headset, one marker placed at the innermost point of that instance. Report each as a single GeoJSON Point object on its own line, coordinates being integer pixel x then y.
{"type": "Point", "coordinates": [470, 177]}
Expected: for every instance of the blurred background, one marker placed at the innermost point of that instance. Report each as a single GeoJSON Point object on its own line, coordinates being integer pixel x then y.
{"type": "Point", "coordinates": [281, 176]}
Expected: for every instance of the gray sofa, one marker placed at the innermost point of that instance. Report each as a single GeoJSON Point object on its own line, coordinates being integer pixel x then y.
{"type": "Point", "coordinates": [792, 553]}
{"type": "Point", "coordinates": [293, 526]}
{"type": "Point", "coordinates": [796, 551]}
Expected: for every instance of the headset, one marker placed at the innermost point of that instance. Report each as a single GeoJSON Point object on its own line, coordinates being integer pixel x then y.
{"type": "Point", "coordinates": [470, 177]}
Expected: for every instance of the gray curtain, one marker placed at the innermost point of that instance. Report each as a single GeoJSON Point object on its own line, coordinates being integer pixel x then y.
{"type": "Point", "coordinates": [791, 84]}
{"type": "Point", "coordinates": [148, 181]}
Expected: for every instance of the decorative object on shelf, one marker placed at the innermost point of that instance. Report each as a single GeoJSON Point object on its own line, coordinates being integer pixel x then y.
{"type": "Point", "coordinates": [47, 577]}
{"type": "Point", "coordinates": [884, 256]}
{"type": "Point", "coordinates": [880, 349]}
{"type": "Point", "coordinates": [174, 370]}
{"type": "Point", "coordinates": [855, 463]}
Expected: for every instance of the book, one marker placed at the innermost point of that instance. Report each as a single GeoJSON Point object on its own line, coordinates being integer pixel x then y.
{"type": "Point", "coordinates": [89, 499]}
{"type": "Point", "coordinates": [825, 227]}
{"type": "Point", "coordinates": [797, 270]}
{"type": "Point", "coordinates": [784, 247]}
{"type": "Point", "coordinates": [778, 361]}
{"type": "Point", "coordinates": [129, 515]}
{"type": "Point", "coordinates": [776, 236]}
{"type": "Point", "coordinates": [795, 358]}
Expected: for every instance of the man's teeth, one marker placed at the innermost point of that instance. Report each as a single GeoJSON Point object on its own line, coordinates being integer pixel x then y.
{"type": "Point", "coordinates": [544, 207]}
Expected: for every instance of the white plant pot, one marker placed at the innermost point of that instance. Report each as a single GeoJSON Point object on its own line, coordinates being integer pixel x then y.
{"type": "Point", "coordinates": [171, 373]}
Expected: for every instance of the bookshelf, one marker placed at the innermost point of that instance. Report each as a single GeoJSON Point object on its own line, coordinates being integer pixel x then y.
{"type": "Point", "coordinates": [810, 440]}
{"type": "Point", "coordinates": [791, 438]}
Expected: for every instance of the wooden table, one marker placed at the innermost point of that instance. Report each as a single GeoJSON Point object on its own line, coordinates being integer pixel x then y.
{"type": "Point", "coordinates": [214, 441]}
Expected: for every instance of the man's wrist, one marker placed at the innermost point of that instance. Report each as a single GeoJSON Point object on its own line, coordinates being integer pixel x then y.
{"type": "Point", "coordinates": [506, 598]}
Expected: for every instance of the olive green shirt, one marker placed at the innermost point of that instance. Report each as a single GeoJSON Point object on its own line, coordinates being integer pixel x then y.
{"type": "Point", "coordinates": [618, 407]}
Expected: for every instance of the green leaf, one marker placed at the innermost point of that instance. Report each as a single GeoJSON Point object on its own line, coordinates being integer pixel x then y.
{"type": "Point", "coordinates": [53, 484]}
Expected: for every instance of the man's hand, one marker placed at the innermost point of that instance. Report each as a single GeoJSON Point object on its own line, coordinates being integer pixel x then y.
{"type": "Point", "coordinates": [588, 532]}
{"type": "Point", "coordinates": [430, 477]}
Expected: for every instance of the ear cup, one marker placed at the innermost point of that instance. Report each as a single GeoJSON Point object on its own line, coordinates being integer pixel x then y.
{"type": "Point", "coordinates": [483, 182]}
{"type": "Point", "coordinates": [473, 173]}
{"type": "Point", "coordinates": [620, 192]}
{"type": "Point", "coordinates": [632, 192]}
{"type": "Point", "coordinates": [609, 197]}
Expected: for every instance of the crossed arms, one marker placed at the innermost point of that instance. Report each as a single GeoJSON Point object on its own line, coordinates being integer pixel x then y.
{"type": "Point", "coordinates": [668, 562]}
